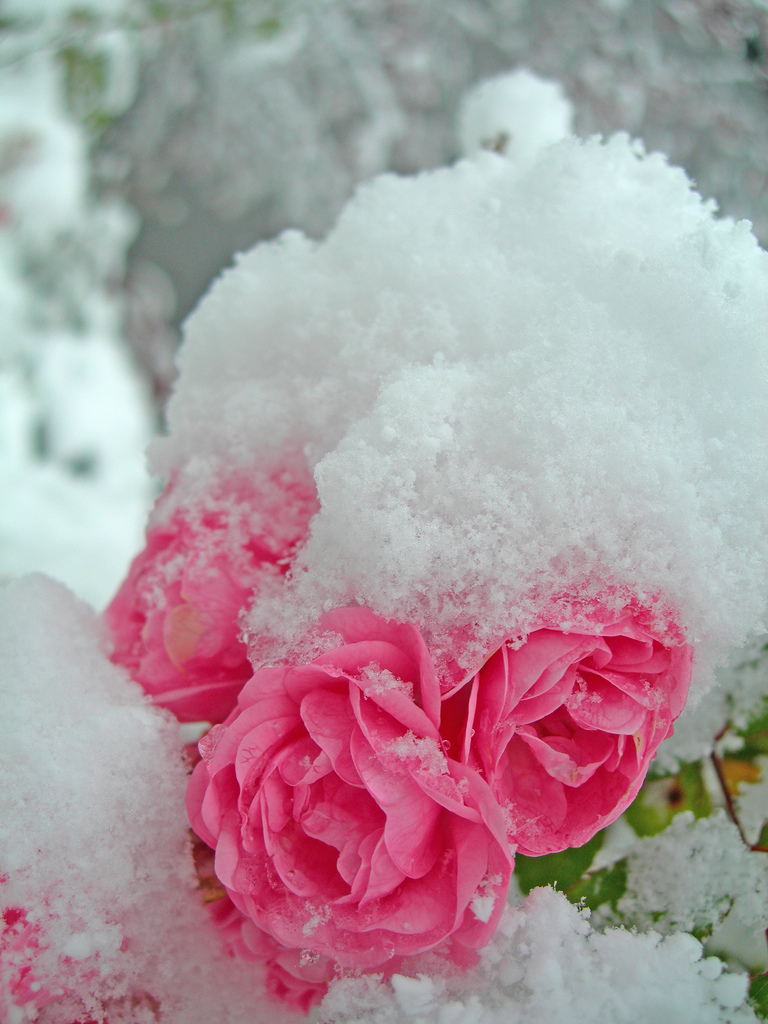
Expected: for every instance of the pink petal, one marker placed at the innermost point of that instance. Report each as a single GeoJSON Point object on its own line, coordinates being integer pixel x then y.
{"type": "Point", "coordinates": [361, 625]}
{"type": "Point", "coordinates": [396, 703]}
{"type": "Point", "coordinates": [255, 747]}
{"type": "Point", "coordinates": [307, 867]}
{"type": "Point", "coordinates": [536, 803]}
{"type": "Point", "coordinates": [628, 655]}
{"type": "Point", "coordinates": [679, 678]}
{"type": "Point", "coordinates": [196, 790]}
{"type": "Point", "coordinates": [221, 795]}
{"type": "Point", "coordinates": [542, 661]}
{"type": "Point", "coordinates": [365, 852]}
{"type": "Point", "coordinates": [563, 759]}
{"type": "Point", "coordinates": [206, 702]}
{"type": "Point", "coordinates": [276, 804]}
{"type": "Point", "coordinates": [302, 762]}
{"type": "Point", "coordinates": [410, 831]}
{"type": "Point", "coordinates": [531, 709]}
{"type": "Point", "coordinates": [601, 706]}
{"type": "Point", "coordinates": [339, 814]}
{"type": "Point", "coordinates": [445, 792]}
{"type": "Point", "coordinates": [384, 876]}
{"type": "Point", "coordinates": [471, 845]}
{"type": "Point", "coordinates": [300, 680]}
{"type": "Point", "coordinates": [422, 909]}
{"type": "Point", "coordinates": [328, 718]}
{"type": "Point", "coordinates": [478, 794]}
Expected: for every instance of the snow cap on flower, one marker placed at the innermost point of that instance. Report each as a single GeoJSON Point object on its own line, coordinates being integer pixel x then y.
{"type": "Point", "coordinates": [514, 384]}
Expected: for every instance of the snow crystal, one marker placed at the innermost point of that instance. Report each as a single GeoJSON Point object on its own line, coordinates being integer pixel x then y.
{"type": "Point", "coordinates": [741, 693]}
{"type": "Point", "coordinates": [97, 888]}
{"type": "Point", "coordinates": [692, 875]}
{"type": "Point", "coordinates": [546, 964]}
{"type": "Point", "coordinates": [546, 383]}
{"type": "Point", "coordinates": [424, 750]}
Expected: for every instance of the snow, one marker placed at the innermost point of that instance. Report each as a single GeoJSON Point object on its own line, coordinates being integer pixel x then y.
{"type": "Point", "coordinates": [517, 114]}
{"type": "Point", "coordinates": [94, 838]}
{"type": "Point", "coordinates": [580, 335]}
{"type": "Point", "coordinates": [742, 687]}
{"type": "Point", "coordinates": [547, 964]}
{"type": "Point", "coordinates": [692, 875]}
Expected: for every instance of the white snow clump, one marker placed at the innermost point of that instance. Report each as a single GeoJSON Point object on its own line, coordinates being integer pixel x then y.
{"type": "Point", "coordinates": [516, 383]}
{"type": "Point", "coordinates": [97, 889]}
{"type": "Point", "coordinates": [693, 874]}
{"type": "Point", "coordinates": [546, 964]}
{"type": "Point", "coordinates": [517, 114]}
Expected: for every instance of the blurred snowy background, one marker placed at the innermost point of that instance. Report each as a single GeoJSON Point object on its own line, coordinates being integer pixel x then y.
{"type": "Point", "coordinates": [143, 142]}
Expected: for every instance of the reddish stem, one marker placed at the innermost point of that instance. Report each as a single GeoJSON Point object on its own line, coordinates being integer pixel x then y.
{"type": "Point", "coordinates": [729, 804]}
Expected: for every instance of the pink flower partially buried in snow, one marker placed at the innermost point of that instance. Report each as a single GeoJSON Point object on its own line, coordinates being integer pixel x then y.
{"type": "Point", "coordinates": [291, 976]}
{"type": "Point", "coordinates": [176, 620]}
{"type": "Point", "coordinates": [340, 826]}
{"type": "Point", "coordinates": [563, 726]}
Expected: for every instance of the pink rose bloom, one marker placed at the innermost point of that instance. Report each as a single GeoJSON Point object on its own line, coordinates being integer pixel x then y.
{"type": "Point", "coordinates": [291, 977]}
{"type": "Point", "coordinates": [175, 621]}
{"type": "Point", "coordinates": [564, 725]}
{"type": "Point", "coordinates": [340, 826]}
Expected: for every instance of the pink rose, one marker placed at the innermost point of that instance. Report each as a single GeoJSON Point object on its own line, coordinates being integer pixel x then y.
{"type": "Point", "coordinates": [291, 977]}
{"type": "Point", "coordinates": [175, 621]}
{"type": "Point", "coordinates": [340, 826]}
{"type": "Point", "coordinates": [564, 725]}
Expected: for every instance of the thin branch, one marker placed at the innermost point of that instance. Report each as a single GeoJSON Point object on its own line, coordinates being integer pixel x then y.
{"type": "Point", "coordinates": [729, 804]}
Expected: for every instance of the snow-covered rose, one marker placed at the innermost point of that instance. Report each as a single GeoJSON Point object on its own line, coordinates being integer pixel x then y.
{"type": "Point", "coordinates": [564, 725]}
{"type": "Point", "coordinates": [175, 621]}
{"type": "Point", "coordinates": [340, 825]}
{"type": "Point", "coordinates": [291, 976]}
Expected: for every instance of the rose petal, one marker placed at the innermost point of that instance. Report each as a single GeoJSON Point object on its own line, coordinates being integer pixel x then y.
{"type": "Point", "coordinates": [329, 720]}
{"type": "Point", "coordinates": [563, 759]}
{"type": "Point", "coordinates": [535, 802]}
{"type": "Point", "coordinates": [302, 762]}
{"type": "Point", "coordinates": [540, 663]}
{"type": "Point", "coordinates": [412, 818]}
{"type": "Point", "coordinates": [361, 625]}
{"type": "Point", "coordinates": [339, 815]}
{"type": "Point", "coordinates": [383, 876]}
{"type": "Point", "coordinates": [599, 705]}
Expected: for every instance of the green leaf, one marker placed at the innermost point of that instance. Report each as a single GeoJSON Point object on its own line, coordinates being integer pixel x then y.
{"type": "Point", "coordinates": [561, 869]}
{"type": "Point", "coordinates": [85, 76]}
{"type": "Point", "coordinates": [607, 885]}
{"type": "Point", "coordinates": [762, 839]}
{"type": "Point", "coordinates": [82, 17]}
{"type": "Point", "coordinates": [269, 27]}
{"type": "Point", "coordinates": [758, 995]}
{"type": "Point", "coordinates": [660, 800]}
{"type": "Point", "coordinates": [228, 12]}
{"type": "Point", "coordinates": [755, 734]}
{"type": "Point", "coordinates": [97, 121]}
{"type": "Point", "coordinates": [159, 11]}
